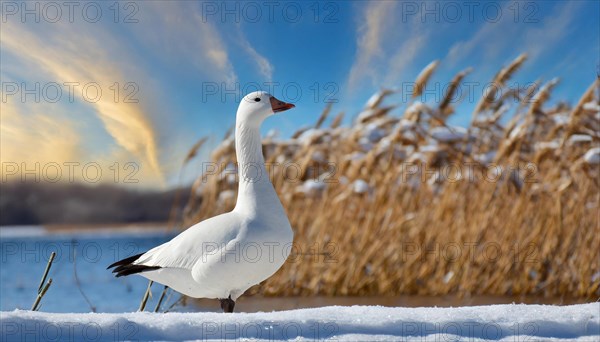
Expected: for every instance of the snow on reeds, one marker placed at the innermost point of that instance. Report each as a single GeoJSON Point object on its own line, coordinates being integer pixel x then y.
{"type": "Point", "coordinates": [403, 203]}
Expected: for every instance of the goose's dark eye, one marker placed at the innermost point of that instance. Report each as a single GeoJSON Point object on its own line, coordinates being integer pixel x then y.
{"type": "Point", "coordinates": [257, 99]}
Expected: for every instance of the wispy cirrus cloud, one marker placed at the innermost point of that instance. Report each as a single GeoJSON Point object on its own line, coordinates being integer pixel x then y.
{"type": "Point", "coordinates": [265, 68]}
{"type": "Point", "coordinates": [386, 46]}
{"type": "Point", "coordinates": [372, 31]}
{"type": "Point", "coordinates": [185, 37]}
{"type": "Point", "coordinates": [553, 30]}
{"type": "Point", "coordinates": [408, 52]}
{"type": "Point", "coordinates": [535, 37]}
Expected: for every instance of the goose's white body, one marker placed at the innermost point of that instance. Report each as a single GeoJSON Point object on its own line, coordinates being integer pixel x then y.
{"type": "Point", "coordinates": [225, 255]}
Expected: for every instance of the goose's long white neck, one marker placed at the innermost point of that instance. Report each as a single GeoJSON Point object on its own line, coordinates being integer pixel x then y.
{"type": "Point", "coordinates": [256, 194]}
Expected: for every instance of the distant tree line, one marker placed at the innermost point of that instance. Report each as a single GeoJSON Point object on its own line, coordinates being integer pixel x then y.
{"type": "Point", "coordinates": [43, 203]}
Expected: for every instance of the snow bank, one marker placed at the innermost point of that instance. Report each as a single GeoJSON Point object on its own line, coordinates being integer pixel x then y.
{"type": "Point", "coordinates": [496, 322]}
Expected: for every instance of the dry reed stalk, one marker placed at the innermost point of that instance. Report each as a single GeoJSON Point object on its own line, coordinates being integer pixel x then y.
{"type": "Point", "coordinates": [578, 109]}
{"type": "Point", "coordinates": [423, 78]}
{"type": "Point", "coordinates": [229, 132]}
{"type": "Point", "coordinates": [43, 288]}
{"type": "Point", "coordinates": [530, 126]}
{"type": "Point", "coordinates": [194, 150]}
{"type": "Point", "coordinates": [376, 100]}
{"type": "Point", "coordinates": [176, 202]}
{"type": "Point", "coordinates": [541, 97]}
{"type": "Point", "coordinates": [41, 294]}
{"type": "Point", "coordinates": [499, 81]}
{"type": "Point", "coordinates": [160, 300]}
{"type": "Point", "coordinates": [299, 132]}
{"type": "Point", "coordinates": [337, 121]}
{"type": "Point", "coordinates": [147, 295]}
{"type": "Point", "coordinates": [324, 115]}
{"type": "Point", "coordinates": [444, 107]}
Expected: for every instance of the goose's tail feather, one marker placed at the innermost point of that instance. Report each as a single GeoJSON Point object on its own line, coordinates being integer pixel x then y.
{"type": "Point", "coordinates": [126, 266]}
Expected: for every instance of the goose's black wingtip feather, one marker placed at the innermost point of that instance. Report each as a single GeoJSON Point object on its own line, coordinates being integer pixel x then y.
{"type": "Point", "coordinates": [126, 266]}
{"type": "Point", "coordinates": [125, 261]}
{"type": "Point", "coordinates": [126, 270]}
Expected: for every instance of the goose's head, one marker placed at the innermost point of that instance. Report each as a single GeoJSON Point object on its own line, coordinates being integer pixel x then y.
{"type": "Point", "coordinates": [257, 106]}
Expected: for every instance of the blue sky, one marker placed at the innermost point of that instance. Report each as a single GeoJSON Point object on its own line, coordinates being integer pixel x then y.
{"type": "Point", "coordinates": [181, 66]}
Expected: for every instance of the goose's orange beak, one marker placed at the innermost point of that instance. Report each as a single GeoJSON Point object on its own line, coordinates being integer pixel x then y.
{"type": "Point", "coordinates": [280, 106]}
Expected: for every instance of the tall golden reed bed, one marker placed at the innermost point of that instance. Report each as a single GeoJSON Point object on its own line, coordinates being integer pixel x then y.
{"type": "Point", "coordinates": [405, 204]}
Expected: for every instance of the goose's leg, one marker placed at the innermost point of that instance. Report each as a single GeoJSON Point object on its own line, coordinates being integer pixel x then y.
{"type": "Point", "coordinates": [227, 304]}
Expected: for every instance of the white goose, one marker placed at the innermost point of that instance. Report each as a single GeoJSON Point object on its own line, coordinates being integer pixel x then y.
{"type": "Point", "coordinates": [225, 255]}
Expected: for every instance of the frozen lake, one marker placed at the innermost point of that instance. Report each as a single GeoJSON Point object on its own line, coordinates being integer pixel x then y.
{"type": "Point", "coordinates": [24, 252]}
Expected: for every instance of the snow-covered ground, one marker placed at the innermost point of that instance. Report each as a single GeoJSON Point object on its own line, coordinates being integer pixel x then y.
{"type": "Point", "coordinates": [362, 323]}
